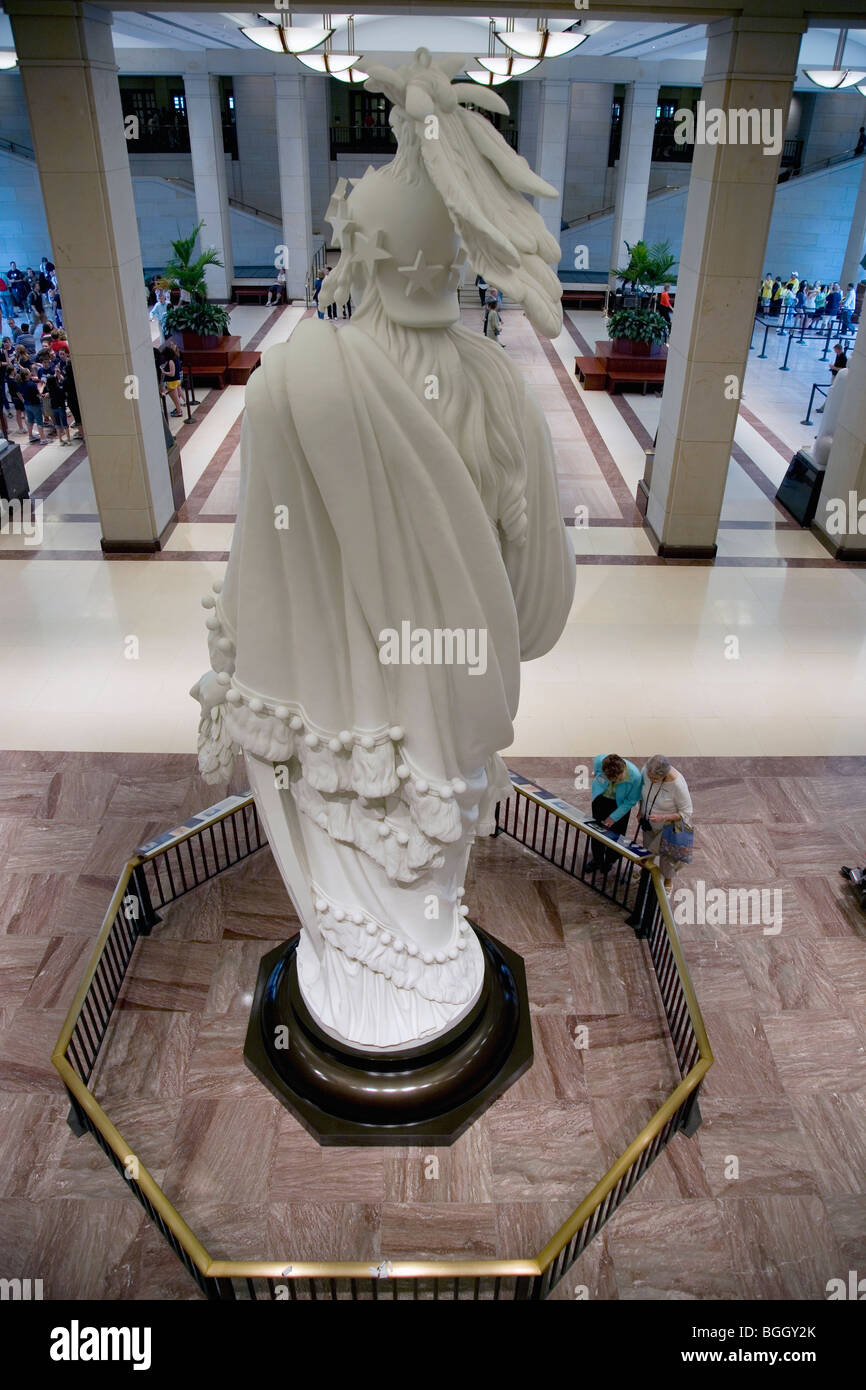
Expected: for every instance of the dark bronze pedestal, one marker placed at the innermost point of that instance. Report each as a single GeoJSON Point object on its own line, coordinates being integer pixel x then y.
{"type": "Point", "coordinates": [425, 1095]}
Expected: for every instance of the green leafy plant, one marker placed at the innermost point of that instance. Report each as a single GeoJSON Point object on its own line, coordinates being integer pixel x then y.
{"type": "Point", "coordinates": [648, 266]}
{"type": "Point", "coordinates": [189, 273]}
{"type": "Point", "coordinates": [638, 325]}
{"type": "Point", "coordinates": [198, 316]}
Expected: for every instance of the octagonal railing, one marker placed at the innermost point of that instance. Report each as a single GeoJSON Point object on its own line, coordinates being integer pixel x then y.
{"type": "Point", "coordinates": [178, 861]}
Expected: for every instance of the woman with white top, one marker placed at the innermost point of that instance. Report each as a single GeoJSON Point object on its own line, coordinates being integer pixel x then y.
{"type": "Point", "coordinates": [665, 800]}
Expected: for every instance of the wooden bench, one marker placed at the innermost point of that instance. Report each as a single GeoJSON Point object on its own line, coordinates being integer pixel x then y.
{"type": "Point", "coordinates": [212, 365]}
{"type": "Point", "coordinates": [591, 373]}
{"type": "Point", "coordinates": [241, 367]}
{"type": "Point", "coordinates": [584, 299]}
{"type": "Point", "coordinates": [245, 294]}
{"type": "Point", "coordinates": [635, 376]}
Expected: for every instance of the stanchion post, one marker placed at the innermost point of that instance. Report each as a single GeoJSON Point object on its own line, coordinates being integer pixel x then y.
{"type": "Point", "coordinates": [763, 351]}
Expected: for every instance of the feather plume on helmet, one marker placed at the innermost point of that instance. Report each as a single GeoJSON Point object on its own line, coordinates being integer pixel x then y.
{"type": "Point", "coordinates": [480, 179]}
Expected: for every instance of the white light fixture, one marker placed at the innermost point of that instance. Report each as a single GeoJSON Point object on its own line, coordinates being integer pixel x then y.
{"type": "Point", "coordinates": [280, 37]}
{"type": "Point", "coordinates": [351, 75]}
{"type": "Point", "coordinates": [506, 65]}
{"type": "Point", "coordinates": [540, 43]}
{"type": "Point", "coordinates": [8, 60]}
{"type": "Point", "coordinates": [837, 77]}
{"type": "Point", "coordinates": [333, 63]}
{"type": "Point", "coordinates": [485, 78]}
{"type": "Point", "coordinates": [330, 62]}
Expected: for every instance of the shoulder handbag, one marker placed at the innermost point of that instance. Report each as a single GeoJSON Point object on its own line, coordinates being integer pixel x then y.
{"type": "Point", "coordinates": [678, 841]}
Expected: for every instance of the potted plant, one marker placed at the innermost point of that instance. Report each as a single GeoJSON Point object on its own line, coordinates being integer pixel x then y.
{"type": "Point", "coordinates": [636, 331]}
{"type": "Point", "coordinates": [648, 267]}
{"type": "Point", "coordinates": [195, 329]}
{"type": "Point", "coordinates": [200, 324]}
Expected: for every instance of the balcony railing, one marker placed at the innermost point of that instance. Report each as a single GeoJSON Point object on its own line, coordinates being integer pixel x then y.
{"type": "Point", "coordinates": [379, 139]}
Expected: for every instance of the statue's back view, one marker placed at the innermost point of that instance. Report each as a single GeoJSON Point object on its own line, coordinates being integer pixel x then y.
{"type": "Point", "coordinates": [399, 550]}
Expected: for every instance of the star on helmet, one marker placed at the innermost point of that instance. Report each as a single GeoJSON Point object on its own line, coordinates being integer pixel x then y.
{"type": "Point", "coordinates": [369, 249]}
{"type": "Point", "coordinates": [340, 218]}
{"type": "Point", "coordinates": [419, 275]}
{"type": "Point", "coordinates": [455, 269]}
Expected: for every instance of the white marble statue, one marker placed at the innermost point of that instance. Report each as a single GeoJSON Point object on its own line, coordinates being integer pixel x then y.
{"type": "Point", "coordinates": [399, 550]}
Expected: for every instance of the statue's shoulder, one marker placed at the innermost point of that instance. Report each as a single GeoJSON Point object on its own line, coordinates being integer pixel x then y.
{"type": "Point", "coordinates": [308, 346]}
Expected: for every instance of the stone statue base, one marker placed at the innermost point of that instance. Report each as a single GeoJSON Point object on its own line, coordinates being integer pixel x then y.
{"type": "Point", "coordinates": [427, 1095]}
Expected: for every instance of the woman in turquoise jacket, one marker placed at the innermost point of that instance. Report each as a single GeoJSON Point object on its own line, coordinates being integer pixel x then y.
{"type": "Point", "coordinates": [616, 788]}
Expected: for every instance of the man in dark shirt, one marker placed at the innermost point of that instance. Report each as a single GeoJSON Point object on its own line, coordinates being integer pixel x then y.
{"type": "Point", "coordinates": [57, 396]}
{"type": "Point", "coordinates": [33, 408]}
{"type": "Point", "coordinates": [840, 360]}
{"type": "Point", "coordinates": [17, 283]}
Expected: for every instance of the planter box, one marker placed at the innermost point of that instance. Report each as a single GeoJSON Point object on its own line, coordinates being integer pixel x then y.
{"type": "Point", "coordinates": [198, 342]}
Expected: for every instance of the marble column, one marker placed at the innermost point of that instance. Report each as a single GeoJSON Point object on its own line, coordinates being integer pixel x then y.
{"type": "Point", "coordinates": [553, 109]}
{"type": "Point", "coordinates": [294, 166]}
{"type": "Point", "coordinates": [64, 48]}
{"type": "Point", "coordinates": [840, 521]}
{"type": "Point", "coordinates": [317, 105]}
{"type": "Point", "coordinates": [750, 66]}
{"type": "Point", "coordinates": [852, 270]}
{"type": "Point", "coordinates": [588, 144]}
{"type": "Point", "coordinates": [633, 171]}
{"type": "Point", "coordinates": [209, 176]}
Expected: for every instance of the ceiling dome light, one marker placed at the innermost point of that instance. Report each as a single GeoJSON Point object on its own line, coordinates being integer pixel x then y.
{"type": "Point", "coordinates": [351, 75]}
{"type": "Point", "coordinates": [329, 61]}
{"type": "Point", "coordinates": [507, 65]}
{"type": "Point", "coordinates": [485, 78]}
{"type": "Point", "coordinates": [540, 43]}
{"type": "Point", "coordinates": [831, 79]}
{"type": "Point", "coordinates": [838, 76]}
{"type": "Point", "coordinates": [280, 37]}
{"type": "Point", "coordinates": [333, 63]}
{"type": "Point", "coordinates": [8, 60]}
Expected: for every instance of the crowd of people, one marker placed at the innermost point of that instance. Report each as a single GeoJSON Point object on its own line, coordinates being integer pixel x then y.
{"type": "Point", "coordinates": [491, 303]}
{"type": "Point", "coordinates": [37, 381]}
{"type": "Point", "coordinates": [801, 305]}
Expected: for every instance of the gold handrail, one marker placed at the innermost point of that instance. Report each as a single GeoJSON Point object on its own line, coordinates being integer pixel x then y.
{"type": "Point", "coordinates": [92, 965]}
{"type": "Point", "coordinates": [396, 1269]}
{"type": "Point", "coordinates": [575, 818]}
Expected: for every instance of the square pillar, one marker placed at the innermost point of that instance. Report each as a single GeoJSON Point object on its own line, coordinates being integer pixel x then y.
{"type": "Point", "coordinates": [64, 47]}
{"type": "Point", "coordinates": [554, 100]}
{"type": "Point", "coordinates": [294, 167]}
{"type": "Point", "coordinates": [750, 67]}
{"type": "Point", "coordinates": [209, 177]}
{"type": "Point", "coordinates": [635, 158]}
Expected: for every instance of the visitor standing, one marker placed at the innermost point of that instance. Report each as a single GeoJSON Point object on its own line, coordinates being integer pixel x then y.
{"type": "Point", "coordinates": [665, 802]}
{"type": "Point", "coordinates": [846, 309]}
{"type": "Point", "coordinates": [57, 398]}
{"type": "Point", "coordinates": [665, 306]}
{"type": "Point", "coordinates": [766, 291]}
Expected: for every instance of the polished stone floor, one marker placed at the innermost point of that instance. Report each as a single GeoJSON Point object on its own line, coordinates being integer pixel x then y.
{"type": "Point", "coordinates": [768, 1200]}
{"type": "Point", "coordinates": [761, 653]}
